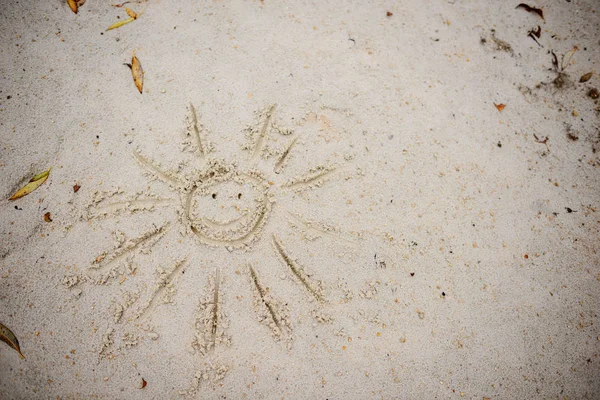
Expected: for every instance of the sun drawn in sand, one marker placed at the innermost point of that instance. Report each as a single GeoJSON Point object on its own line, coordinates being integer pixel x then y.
{"type": "Point", "coordinates": [219, 204]}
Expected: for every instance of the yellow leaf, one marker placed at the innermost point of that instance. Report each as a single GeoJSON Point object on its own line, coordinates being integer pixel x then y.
{"type": "Point", "coordinates": [10, 339]}
{"type": "Point", "coordinates": [33, 184]}
{"type": "Point", "coordinates": [74, 6]}
{"type": "Point", "coordinates": [120, 23]}
{"type": "Point", "coordinates": [131, 13]}
{"type": "Point", "coordinates": [137, 72]}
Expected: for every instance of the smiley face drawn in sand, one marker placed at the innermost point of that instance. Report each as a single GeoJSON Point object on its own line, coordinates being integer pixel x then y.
{"type": "Point", "coordinates": [227, 207]}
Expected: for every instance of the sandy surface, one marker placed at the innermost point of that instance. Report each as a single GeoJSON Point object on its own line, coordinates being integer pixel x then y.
{"type": "Point", "coordinates": [309, 200]}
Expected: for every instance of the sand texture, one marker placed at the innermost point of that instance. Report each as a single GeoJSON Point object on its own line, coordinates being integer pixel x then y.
{"type": "Point", "coordinates": [328, 199]}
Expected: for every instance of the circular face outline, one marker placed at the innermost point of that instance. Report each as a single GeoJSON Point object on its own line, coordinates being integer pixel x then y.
{"type": "Point", "coordinates": [238, 232]}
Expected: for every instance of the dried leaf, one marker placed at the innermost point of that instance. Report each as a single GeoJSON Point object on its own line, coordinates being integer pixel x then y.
{"type": "Point", "coordinates": [131, 13]}
{"type": "Point", "coordinates": [47, 217]}
{"type": "Point", "coordinates": [137, 72]}
{"type": "Point", "coordinates": [76, 188]}
{"type": "Point", "coordinates": [586, 77]}
{"type": "Point", "coordinates": [73, 5]}
{"type": "Point", "coordinates": [500, 107]}
{"type": "Point", "coordinates": [33, 184]}
{"type": "Point", "coordinates": [389, 13]}
{"type": "Point", "coordinates": [121, 4]}
{"type": "Point", "coordinates": [10, 339]}
{"type": "Point", "coordinates": [531, 9]}
{"type": "Point", "coordinates": [144, 383]}
{"type": "Point", "coordinates": [120, 23]}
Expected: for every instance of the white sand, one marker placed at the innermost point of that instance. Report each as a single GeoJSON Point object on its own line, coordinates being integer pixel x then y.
{"type": "Point", "coordinates": [437, 259]}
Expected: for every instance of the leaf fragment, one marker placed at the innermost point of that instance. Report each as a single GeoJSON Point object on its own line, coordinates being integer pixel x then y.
{"type": "Point", "coordinates": [137, 72]}
{"type": "Point", "coordinates": [528, 8]}
{"type": "Point", "coordinates": [118, 24]}
{"type": "Point", "coordinates": [500, 106]}
{"type": "Point", "coordinates": [586, 77]}
{"type": "Point", "coordinates": [76, 188]}
{"type": "Point", "coordinates": [33, 184]}
{"type": "Point", "coordinates": [10, 339]}
{"type": "Point", "coordinates": [48, 217]}
{"type": "Point", "coordinates": [144, 383]}
{"type": "Point", "coordinates": [131, 13]}
{"type": "Point", "coordinates": [75, 4]}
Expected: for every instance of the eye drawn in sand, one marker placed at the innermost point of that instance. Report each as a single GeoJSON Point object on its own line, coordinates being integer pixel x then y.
{"type": "Point", "coordinates": [220, 204]}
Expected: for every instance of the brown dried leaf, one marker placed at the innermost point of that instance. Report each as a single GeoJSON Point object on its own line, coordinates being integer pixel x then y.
{"type": "Point", "coordinates": [73, 5]}
{"type": "Point", "coordinates": [586, 77]}
{"type": "Point", "coordinates": [76, 188]}
{"type": "Point", "coordinates": [144, 383]}
{"type": "Point", "coordinates": [500, 106]}
{"type": "Point", "coordinates": [10, 339]}
{"type": "Point", "coordinates": [531, 9]}
{"type": "Point", "coordinates": [131, 13]}
{"type": "Point", "coordinates": [137, 72]}
{"type": "Point", "coordinates": [389, 13]}
{"type": "Point", "coordinates": [47, 217]}
{"type": "Point", "coordinates": [33, 184]}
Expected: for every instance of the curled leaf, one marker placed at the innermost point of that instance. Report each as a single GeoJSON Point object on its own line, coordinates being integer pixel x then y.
{"type": "Point", "coordinates": [10, 339]}
{"type": "Point", "coordinates": [137, 72]}
{"type": "Point", "coordinates": [120, 23]}
{"type": "Point", "coordinates": [586, 77]}
{"type": "Point", "coordinates": [48, 217]}
{"type": "Point", "coordinates": [33, 184]}
{"type": "Point", "coordinates": [144, 383]}
{"type": "Point", "coordinates": [500, 107]}
{"type": "Point", "coordinates": [531, 9]}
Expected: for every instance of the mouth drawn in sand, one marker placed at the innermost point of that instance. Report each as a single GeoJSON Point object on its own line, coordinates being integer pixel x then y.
{"type": "Point", "coordinates": [219, 204]}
